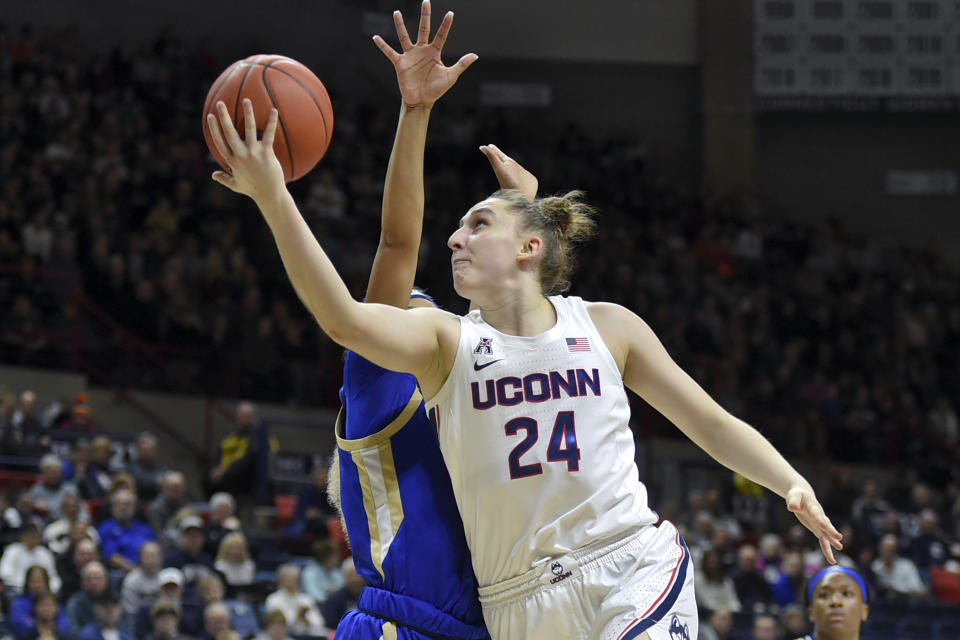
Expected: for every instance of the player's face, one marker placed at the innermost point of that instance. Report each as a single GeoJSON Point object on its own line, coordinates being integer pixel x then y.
{"type": "Point", "coordinates": [484, 248]}
{"type": "Point", "coordinates": [837, 609]}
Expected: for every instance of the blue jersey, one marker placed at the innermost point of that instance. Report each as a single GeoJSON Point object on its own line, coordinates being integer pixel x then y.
{"type": "Point", "coordinates": [398, 506]}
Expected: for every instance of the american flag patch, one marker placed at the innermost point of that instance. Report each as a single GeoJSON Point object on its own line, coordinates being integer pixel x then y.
{"type": "Point", "coordinates": [578, 344]}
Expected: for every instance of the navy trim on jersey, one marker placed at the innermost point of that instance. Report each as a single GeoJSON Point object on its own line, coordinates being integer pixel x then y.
{"type": "Point", "coordinates": [664, 607]}
{"type": "Point", "coordinates": [417, 615]}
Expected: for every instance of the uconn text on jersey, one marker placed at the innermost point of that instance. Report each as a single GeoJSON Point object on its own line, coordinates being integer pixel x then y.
{"type": "Point", "coordinates": [534, 387]}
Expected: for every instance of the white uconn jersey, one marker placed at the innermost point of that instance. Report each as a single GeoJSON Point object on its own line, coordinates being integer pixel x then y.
{"type": "Point", "coordinates": [534, 432]}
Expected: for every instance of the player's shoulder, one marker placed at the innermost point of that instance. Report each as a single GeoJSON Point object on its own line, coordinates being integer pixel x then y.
{"type": "Point", "coordinates": [607, 312]}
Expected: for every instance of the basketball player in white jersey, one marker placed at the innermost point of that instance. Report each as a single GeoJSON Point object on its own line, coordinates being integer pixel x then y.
{"type": "Point", "coordinates": [527, 394]}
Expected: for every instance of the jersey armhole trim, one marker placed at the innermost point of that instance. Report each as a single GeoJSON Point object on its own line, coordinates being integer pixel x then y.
{"type": "Point", "coordinates": [384, 434]}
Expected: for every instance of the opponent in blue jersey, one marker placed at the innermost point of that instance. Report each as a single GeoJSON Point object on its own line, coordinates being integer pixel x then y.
{"type": "Point", "coordinates": [395, 495]}
{"type": "Point", "coordinates": [837, 597]}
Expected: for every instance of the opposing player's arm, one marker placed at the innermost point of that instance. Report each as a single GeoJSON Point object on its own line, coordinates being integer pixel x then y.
{"type": "Point", "coordinates": [650, 372]}
{"type": "Point", "coordinates": [423, 79]}
{"type": "Point", "coordinates": [395, 264]}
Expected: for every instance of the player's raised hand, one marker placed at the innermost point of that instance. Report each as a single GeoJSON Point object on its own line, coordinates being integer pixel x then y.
{"type": "Point", "coordinates": [253, 166]}
{"type": "Point", "coordinates": [510, 173]}
{"type": "Point", "coordinates": [421, 74]}
{"type": "Point", "coordinates": [802, 502]}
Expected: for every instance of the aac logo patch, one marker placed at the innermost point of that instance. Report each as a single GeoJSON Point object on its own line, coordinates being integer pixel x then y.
{"type": "Point", "coordinates": [678, 631]}
{"type": "Point", "coordinates": [484, 347]}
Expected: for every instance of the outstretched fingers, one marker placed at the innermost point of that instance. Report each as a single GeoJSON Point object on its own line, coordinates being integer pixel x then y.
{"type": "Point", "coordinates": [229, 131]}
{"type": "Point", "coordinates": [423, 34]}
{"type": "Point", "coordinates": [440, 39]}
{"type": "Point", "coordinates": [386, 49]}
{"type": "Point", "coordinates": [404, 37]}
{"type": "Point", "coordinates": [249, 122]}
{"type": "Point", "coordinates": [217, 137]}
{"type": "Point", "coordinates": [270, 131]}
{"type": "Point", "coordinates": [464, 62]}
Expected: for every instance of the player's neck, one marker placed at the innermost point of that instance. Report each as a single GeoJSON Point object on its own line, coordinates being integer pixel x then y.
{"type": "Point", "coordinates": [519, 315]}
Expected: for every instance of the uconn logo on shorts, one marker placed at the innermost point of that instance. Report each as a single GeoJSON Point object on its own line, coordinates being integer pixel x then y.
{"type": "Point", "coordinates": [678, 631]}
{"type": "Point", "coordinates": [557, 570]}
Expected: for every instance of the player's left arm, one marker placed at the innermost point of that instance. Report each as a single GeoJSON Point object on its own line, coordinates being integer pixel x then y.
{"type": "Point", "coordinates": [650, 372]}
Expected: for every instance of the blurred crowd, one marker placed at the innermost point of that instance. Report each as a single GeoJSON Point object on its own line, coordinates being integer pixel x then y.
{"type": "Point", "coordinates": [114, 240]}
{"type": "Point", "coordinates": [108, 543]}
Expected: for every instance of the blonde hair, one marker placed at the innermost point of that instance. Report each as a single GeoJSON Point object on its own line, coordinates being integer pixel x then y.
{"type": "Point", "coordinates": [562, 222]}
{"type": "Point", "coordinates": [227, 539]}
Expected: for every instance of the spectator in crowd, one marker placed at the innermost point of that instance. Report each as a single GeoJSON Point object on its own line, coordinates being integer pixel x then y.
{"type": "Point", "coordinates": [313, 508]}
{"type": "Point", "coordinates": [107, 611]}
{"type": "Point", "coordinates": [216, 621]}
{"type": "Point", "coordinates": [323, 575]}
{"type": "Point", "coordinates": [715, 589]}
{"type": "Point", "coordinates": [765, 627]}
{"type": "Point", "coordinates": [788, 586]}
{"type": "Point", "coordinates": [28, 434]}
{"type": "Point", "coordinates": [57, 534]}
{"type": "Point", "coordinates": [297, 607]}
{"type": "Point", "coordinates": [48, 620]}
{"type": "Point", "coordinates": [751, 587]}
{"type": "Point", "coordinates": [80, 418]}
{"type": "Point", "coordinates": [345, 598]}
{"type": "Point", "coordinates": [838, 604]}
{"type": "Point", "coordinates": [93, 583]}
{"type": "Point", "coordinates": [242, 470]}
{"type": "Point", "coordinates": [165, 616]}
{"type": "Point", "coordinates": [22, 618]}
{"type": "Point", "coordinates": [145, 469]}
{"type": "Point", "coordinates": [243, 619]}
{"type": "Point", "coordinates": [794, 621]}
{"type": "Point", "coordinates": [870, 509]}
{"type": "Point", "coordinates": [222, 521]}
{"type": "Point", "coordinates": [171, 590]}
{"type": "Point", "coordinates": [121, 535]}
{"type": "Point", "coordinates": [48, 492]}
{"type": "Point", "coordinates": [19, 556]}
{"type": "Point", "coordinates": [189, 555]}
{"type": "Point", "coordinates": [896, 576]}
{"type": "Point", "coordinates": [931, 546]}
{"type": "Point", "coordinates": [274, 626]}
{"type": "Point", "coordinates": [718, 627]}
{"type": "Point", "coordinates": [161, 512]}
{"type": "Point", "coordinates": [94, 477]}
{"type": "Point", "coordinates": [142, 585]}
{"type": "Point", "coordinates": [233, 560]}
{"type": "Point", "coordinates": [70, 565]}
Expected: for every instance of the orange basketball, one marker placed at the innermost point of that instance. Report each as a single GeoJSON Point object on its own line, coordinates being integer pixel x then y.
{"type": "Point", "coordinates": [306, 116]}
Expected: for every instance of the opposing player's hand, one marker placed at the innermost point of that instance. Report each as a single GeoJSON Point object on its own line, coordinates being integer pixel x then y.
{"type": "Point", "coordinates": [253, 168]}
{"type": "Point", "coordinates": [420, 72]}
{"type": "Point", "coordinates": [510, 173]}
{"type": "Point", "coordinates": [802, 502]}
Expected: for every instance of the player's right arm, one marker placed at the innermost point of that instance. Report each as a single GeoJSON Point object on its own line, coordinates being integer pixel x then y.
{"type": "Point", "coordinates": [419, 341]}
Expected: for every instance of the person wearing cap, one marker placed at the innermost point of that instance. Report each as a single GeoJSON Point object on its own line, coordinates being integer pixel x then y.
{"type": "Point", "coordinates": [121, 535]}
{"type": "Point", "coordinates": [165, 617]}
{"type": "Point", "coordinates": [838, 605]}
{"type": "Point", "coordinates": [171, 590]}
{"type": "Point", "coordinates": [19, 556]}
{"type": "Point", "coordinates": [107, 610]}
{"type": "Point", "coordinates": [189, 555]}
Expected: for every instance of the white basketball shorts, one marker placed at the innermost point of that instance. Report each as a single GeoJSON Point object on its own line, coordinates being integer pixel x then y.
{"type": "Point", "coordinates": [612, 591]}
